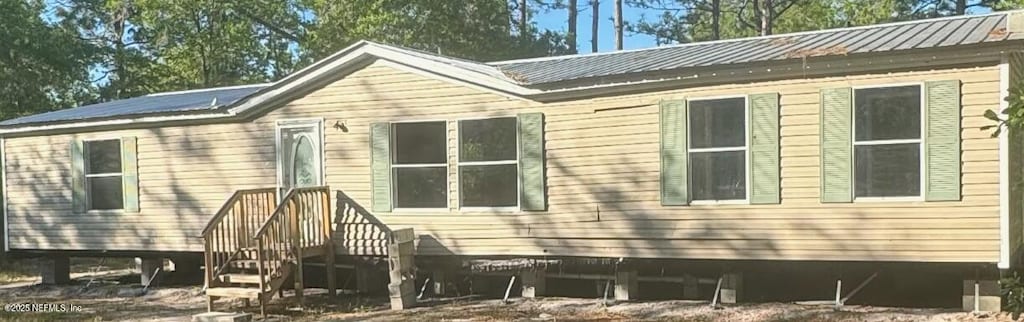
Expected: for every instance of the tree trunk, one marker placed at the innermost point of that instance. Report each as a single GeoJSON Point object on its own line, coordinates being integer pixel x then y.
{"type": "Point", "coordinates": [120, 70]}
{"type": "Point", "coordinates": [571, 37]}
{"type": "Point", "coordinates": [716, 15]}
{"type": "Point", "coordinates": [766, 17]}
{"type": "Point", "coordinates": [203, 61]}
{"type": "Point", "coordinates": [595, 5]}
{"type": "Point", "coordinates": [961, 7]}
{"type": "Point", "coordinates": [618, 24]}
{"type": "Point", "coordinates": [524, 18]}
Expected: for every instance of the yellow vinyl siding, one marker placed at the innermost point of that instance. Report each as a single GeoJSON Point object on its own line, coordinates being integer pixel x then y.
{"type": "Point", "coordinates": [185, 174]}
{"type": "Point", "coordinates": [602, 180]}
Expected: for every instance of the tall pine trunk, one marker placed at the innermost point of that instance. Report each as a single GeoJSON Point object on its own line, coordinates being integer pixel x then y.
{"type": "Point", "coordinates": [766, 17]}
{"type": "Point", "coordinates": [571, 37]}
{"type": "Point", "coordinates": [595, 5]}
{"type": "Point", "coordinates": [618, 24]}
{"type": "Point", "coordinates": [961, 7]}
{"type": "Point", "coordinates": [524, 19]}
{"type": "Point", "coordinates": [120, 70]}
{"type": "Point", "coordinates": [716, 15]}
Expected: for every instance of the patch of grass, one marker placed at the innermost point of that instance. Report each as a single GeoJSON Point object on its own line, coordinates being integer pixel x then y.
{"type": "Point", "coordinates": [12, 270]}
{"type": "Point", "coordinates": [26, 269]}
{"type": "Point", "coordinates": [818, 316]}
{"type": "Point", "coordinates": [363, 305]}
{"type": "Point", "coordinates": [88, 264]}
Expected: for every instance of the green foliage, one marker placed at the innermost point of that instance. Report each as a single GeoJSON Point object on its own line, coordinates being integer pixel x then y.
{"type": "Point", "coordinates": [691, 20]}
{"type": "Point", "coordinates": [1012, 117]}
{"type": "Point", "coordinates": [1008, 4]}
{"type": "Point", "coordinates": [479, 30]}
{"type": "Point", "coordinates": [1012, 290]}
{"type": "Point", "coordinates": [56, 54]}
{"type": "Point", "coordinates": [158, 45]}
{"type": "Point", "coordinates": [105, 24]}
{"type": "Point", "coordinates": [206, 44]}
{"type": "Point", "coordinates": [43, 66]}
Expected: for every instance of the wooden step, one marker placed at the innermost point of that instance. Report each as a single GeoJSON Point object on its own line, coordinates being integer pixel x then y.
{"type": "Point", "coordinates": [245, 263]}
{"type": "Point", "coordinates": [239, 292]}
{"type": "Point", "coordinates": [252, 252]}
{"type": "Point", "coordinates": [248, 263]}
{"type": "Point", "coordinates": [240, 278]}
{"type": "Point", "coordinates": [266, 247]}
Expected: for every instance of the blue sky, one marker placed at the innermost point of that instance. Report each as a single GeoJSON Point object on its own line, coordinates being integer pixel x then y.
{"type": "Point", "coordinates": [557, 20]}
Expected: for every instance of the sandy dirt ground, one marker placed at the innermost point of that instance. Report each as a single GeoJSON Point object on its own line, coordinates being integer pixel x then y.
{"type": "Point", "coordinates": [111, 297]}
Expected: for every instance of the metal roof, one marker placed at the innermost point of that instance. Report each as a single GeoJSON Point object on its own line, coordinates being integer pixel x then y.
{"type": "Point", "coordinates": [171, 102]}
{"type": "Point", "coordinates": [930, 33]}
{"type": "Point", "coordinates": [530, 75]}
{"type": "Point", "coordinates": [463, 64]}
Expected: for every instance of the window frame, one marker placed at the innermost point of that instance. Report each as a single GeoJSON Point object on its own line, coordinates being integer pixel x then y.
{"type": "Point", "coordinates": [920, 143]}
{"type": "Point", "coordinates": [86, 156]}
{"type": "Point", "coordinates": [445, 165]}
{"type": "Point", "coordinates": [459, 164]}
{"type": "Point", "coordinates": [745, 148]}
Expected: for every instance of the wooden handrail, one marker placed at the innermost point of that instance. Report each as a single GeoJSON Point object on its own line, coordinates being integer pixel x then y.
{"type": "Point", "coordinates": [284, 204]}
{"type": "Point", "coordinates": [280, 207]}
{"type": "Point", "coordinates": [301, 221]}
{"type": "Point", "coordinates": [219, 216]}
{"type": "Point", "coordinates": [231, 228]}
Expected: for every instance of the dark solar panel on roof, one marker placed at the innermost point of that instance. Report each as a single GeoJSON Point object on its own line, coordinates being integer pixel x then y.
{"type": "Point", "coordinates": [173, 102]}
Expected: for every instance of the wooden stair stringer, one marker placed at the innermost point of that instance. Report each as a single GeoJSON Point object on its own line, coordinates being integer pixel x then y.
{"type": "Point", "coordinates": [224, 287]}
{"type": "Point", "coordinates": [275, 284]}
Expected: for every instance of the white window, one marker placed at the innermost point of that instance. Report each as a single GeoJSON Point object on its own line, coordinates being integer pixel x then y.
{"type": "Point", "coordinates": [488, 163]}
{"type": "Point", "coordinates": [718, 149]}
{"type": "Point", "coordinates": [103, 174]}
{"type": "Point", "coordinates": [420, 165]}
{"type": "Point", "coordinates": [887, 141]}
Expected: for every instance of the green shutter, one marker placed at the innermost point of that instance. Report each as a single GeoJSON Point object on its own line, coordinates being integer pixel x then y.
{"type": "Point", "coordinates": [130, 173]}
{"type": "Point", "coordinates": [836, 145]}
{"type": "Point", "coordinates": [673, 153]}
{"type": "Point", "coordinates": [531, 161]}
{"type": "Point", "coordinates": [380, 164]}
{"type": "Point", "coordinates": [942, 141]}
{"type": "Point", "coordinates": [78, 195]}
{"type": "Point", "coordinates": [764, 148]}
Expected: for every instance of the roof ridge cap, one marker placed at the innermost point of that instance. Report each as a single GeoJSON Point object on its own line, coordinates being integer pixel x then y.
{"type": "Point", "coordinates": [753, 38]}
{"type": "Point", "coordinates": [200, 90]}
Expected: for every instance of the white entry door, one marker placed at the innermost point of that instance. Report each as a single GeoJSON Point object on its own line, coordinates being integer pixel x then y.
{"type": "Point", "coordinates": [299, 154]}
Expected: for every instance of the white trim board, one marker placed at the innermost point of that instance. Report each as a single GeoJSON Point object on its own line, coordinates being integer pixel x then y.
{"type": "Point", "coordinates": [4, 192]}
{"type": "Point", "coordinates": [459, 164]}
{"type": "Point", "coordinates": [86, 176]}
{"type": "Point", "coordinates": [209, 89]}
{"type": "Point", "coordinates": [395, 209]}
{"type": "Point", "coordinates": [1004, 170]}
{"type": "Point", "coordinates": [115, 122]}
{"type": "Point", "coordinates": [361, 51]}
{"type": "Point", "coordinates": [922, 109]}
{"type": "Point", "coordinates": [745, 148]}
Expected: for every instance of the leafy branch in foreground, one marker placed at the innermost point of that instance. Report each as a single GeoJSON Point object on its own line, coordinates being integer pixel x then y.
{"type": "Point", "coordinates": [1012, 117]}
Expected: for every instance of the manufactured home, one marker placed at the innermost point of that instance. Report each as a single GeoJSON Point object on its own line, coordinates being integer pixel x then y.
{"type": "Point", "coordinates": [860, 145]}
